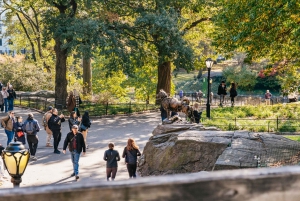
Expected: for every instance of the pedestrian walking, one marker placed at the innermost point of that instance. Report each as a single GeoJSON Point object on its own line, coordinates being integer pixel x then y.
{"type": "Point", "coordinates": [11, 97]}
{"type": "Point", "coordinates": [85, 125]}
{"type": "Point", "coordinates": [111, 157]}
{"type": "Point", "coordinates": [74, 140]}
{"type": "Point", "coordinates": [130, 153]}
{"type": "Point", "coordinates": [46, 118]}
{"type": "Point", "coordinates": [54, 125]}
{"type": "Point", "coordinates": [77, 101]}
{"type": "Point", "coordinates": [8, 125]}
{"type": "Point", "coordinates": [5, 95]}
{"type": "Point", "coordinates": [31, 127]}
{"type": "Point", "coordinates": [222, 92]}
{"type": "Point", "coordinates": [73, 120]}
{"type": "Point", "coordinates": [71, 102]}
{"type": "Point", "coordinates": [18, 129]}
{"type": "Point", "coordinates": [180, 94]}
{"type": "Point", "coordinates": [1, 102]}
{"type": "Point", "coordinates": [233, 93]}
{"type": "Point", "coordinates": [268, 97]}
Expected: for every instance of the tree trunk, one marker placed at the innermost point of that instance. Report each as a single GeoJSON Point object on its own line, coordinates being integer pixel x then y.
{"type": "Point", "coordinates": [87, 75]}
{"type": "Point", "coordinates": [164, 78]}
{"type": "Point", "coordinates": [60, 75]}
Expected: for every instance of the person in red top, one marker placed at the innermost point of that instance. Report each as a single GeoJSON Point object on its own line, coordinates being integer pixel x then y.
{"type": "Point", "coordinates": [75, 141]}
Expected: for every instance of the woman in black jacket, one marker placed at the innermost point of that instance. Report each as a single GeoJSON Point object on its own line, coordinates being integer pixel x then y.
{"type": "Point", "coordinates": [85, 125]}
{"type": "Point", "coordinates": [130, 153]}
{"type": "Point", "coordinates": [73, 120]}
{"type": "Point", "coordinates": [233, 93]}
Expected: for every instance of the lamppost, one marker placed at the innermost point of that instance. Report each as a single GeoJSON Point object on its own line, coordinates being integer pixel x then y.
{"type": "Point", "coordinates": [209, 63]}
{"type": "Point", "coordinates": [15, 158]}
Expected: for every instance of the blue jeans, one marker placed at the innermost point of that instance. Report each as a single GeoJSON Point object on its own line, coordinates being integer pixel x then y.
{"type": "Point", "coordinates": [5, 105]}
{"type": "Point", "coordinates": [11, 104]}
{"type": "Point", "coordinates": [10, 136]}
{"type": "Point", "coordinates": [75, 159]}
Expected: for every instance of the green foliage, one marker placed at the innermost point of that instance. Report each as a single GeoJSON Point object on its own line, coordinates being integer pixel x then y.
{"type": "Point", "coordinates": [244, 77]}
{"type": "Point", "coordinates": [25, 76]}
{"type": "Point", "coordinates": [264, 29]}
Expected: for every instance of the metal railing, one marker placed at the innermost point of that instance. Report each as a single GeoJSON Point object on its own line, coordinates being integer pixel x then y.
{"type": "Point", "coordinates": [255, 125]}
{"type": "Point", "coordinates": [42, 103]}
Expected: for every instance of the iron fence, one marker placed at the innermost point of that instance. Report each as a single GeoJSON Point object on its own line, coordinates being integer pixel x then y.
{"type": "Point", "coordinates": [256, 125]}
{"type": "Point", "coordinates": [42, 103]}
{"type": "Point", "coordinates": [240, 100]}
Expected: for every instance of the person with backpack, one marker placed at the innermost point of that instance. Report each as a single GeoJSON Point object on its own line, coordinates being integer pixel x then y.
{"type": "Point", "coordinates": [8, 124]}
{"type": "Point", "coordinates": [31, 127]}
{"type": "Point", "coordinates": [233, 93]}
{"type": "Point", "coordinates": [54, 125]}
{"type": "Point", "coordinates": [46, 118]}
{"type": "Point", "coordinates": [130, 153]}
{"type": "Point", "coordinates": [111, 157]}
{"type": "Point", "coordinates": [19, 132]}
{"type": "Point", "coordinates": [74, 140]}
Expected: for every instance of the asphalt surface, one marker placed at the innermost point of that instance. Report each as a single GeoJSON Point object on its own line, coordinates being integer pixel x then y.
{"type": "Point", "coordinates": [54, 169]}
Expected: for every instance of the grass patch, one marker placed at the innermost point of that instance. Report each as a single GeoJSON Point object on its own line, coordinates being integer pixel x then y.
{"type": "Point", "coordinates": [282, 118]}
{"type": "Point", "coordinates": [293, 137]}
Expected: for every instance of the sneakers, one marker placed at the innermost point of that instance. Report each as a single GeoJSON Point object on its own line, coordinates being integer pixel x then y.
{"type": "Point", "coordinates": [76, 177]}
{"type": "Point", "coordinates": [49, 145]}
{"type": "Point", "coordinates": [56, 152]}
{"type": "Point", "coordinates": [33, 158]}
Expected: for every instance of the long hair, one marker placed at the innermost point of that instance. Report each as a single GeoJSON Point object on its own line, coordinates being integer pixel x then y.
{"type": "Point", "coordinates": [131, 144]}
{"type": "Point", "coordinates": [233, 86]}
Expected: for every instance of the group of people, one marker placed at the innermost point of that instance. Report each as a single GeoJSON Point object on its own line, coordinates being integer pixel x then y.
{"type": "Point", "coordinates": [130, 153]}
{"type": "Point", "coordinates": [75, 140]}
{"type": "Point", "coordinates": [7, 97]}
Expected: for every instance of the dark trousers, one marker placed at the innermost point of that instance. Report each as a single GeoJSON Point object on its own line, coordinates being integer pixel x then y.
{"type": "Point", "coordinates": [232, 100]}
{"type": "Point", "coordinates": [32, 141]}
{"type": "Point", "coordinates": [56, 138]}
{"type": "Point", "coordinates": [111, 172]}
{"type": "Point", "coordinates": [2, 107]}
{"type": "Point", "coordinates": [131, 170]}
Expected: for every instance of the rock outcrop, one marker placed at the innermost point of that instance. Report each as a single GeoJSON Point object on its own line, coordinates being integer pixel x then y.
{"type": "Point", "coordinates": [185, 148]}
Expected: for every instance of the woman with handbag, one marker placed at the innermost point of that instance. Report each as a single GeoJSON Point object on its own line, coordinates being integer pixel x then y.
{"type": "Point", "coordinates": [18, 128]}
{"type": "Point", "coordinates": [85, 125]}
{"type": "Point", "coordinates": [130, 153]}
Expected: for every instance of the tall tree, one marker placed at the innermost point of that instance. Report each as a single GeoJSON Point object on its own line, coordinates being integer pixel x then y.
{"type": "Point", "coordinates": [265, 28]}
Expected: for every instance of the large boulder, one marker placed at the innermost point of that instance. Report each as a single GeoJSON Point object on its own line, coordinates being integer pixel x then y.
{"type": "Point", "coordinates": [191, 148]}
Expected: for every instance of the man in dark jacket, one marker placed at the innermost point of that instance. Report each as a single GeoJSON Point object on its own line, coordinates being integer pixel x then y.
{"type": "Point", "coordinates": [31, 127]}
{"type": "Point", "coordinates": [54, 124]}
{"type": "Point", "coordinates": [76, 144]}
{"type": "Point", "coordinates": [222, 92]}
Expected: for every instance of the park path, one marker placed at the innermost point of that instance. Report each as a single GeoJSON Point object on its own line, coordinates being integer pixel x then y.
{"type": "Point", "coordinates": [53, 168]}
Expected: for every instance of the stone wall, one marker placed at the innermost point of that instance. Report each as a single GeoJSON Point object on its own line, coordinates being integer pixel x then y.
{"type": "Point", "coordinates": [263, 184]}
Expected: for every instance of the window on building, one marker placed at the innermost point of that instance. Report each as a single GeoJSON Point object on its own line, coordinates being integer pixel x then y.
{"type": "Point", "coordinates": [0, 41]}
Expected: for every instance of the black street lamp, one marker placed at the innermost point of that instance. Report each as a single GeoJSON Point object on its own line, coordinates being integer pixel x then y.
{"type": "Point", "coordinates": [15, 158]}
{"type": "Point", "coordinates": [209, 63]}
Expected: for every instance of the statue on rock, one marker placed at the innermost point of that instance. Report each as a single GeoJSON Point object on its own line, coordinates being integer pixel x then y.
{"type": "Point", "coordinates": [174, 105]}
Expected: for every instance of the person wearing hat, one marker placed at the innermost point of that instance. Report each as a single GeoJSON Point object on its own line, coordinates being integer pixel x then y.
{"type": "Point", "coordinates": [46, 118]}
{"type": "Point", "coordinates": [75, 141]}
{"type": "Point", "coordinates": [31, 127]}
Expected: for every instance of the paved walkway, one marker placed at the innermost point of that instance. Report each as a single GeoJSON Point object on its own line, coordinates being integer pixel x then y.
{"type": "Point", "coordinates": [53, 168]}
